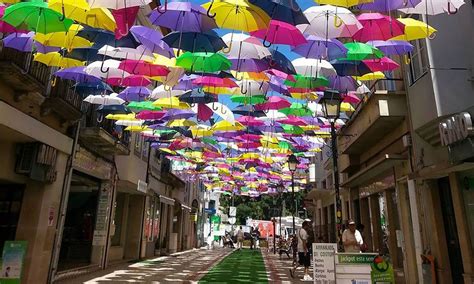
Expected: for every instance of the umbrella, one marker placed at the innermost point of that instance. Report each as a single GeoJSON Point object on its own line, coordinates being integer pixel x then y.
{"type": "Point", "coordinates": [140, 67]}
{"type": "Point", "coordinates": [142, 106]}
{"type": "Point", "coordinates": [152, 39]}
{"type": "Point", "coordinates": [243, 49]}
{"type": "Point", "coordinates": [223, 111]}
{"type": "Point", "coordinates": [280, 62]}
{"type": "Point", "coordinates": [77, 74]}
{"type": "Point", "coordinates": [115, 5]}
{"type": "Point", "coordinates": [111, 99]}
{"type": "Point", "coordinates": [313, 67]}
{"type": "Point", "coordinates": [204, 113]}
{"type": "Point", "coordinates": [208, 41]}
{"type": "Point", "coordinates": [68, 39]}
{"type": "Point", "coordinates": [55, 59]}
{"type": "Point", "coordinates": [280, 33]}
{"type": "Point", "coordinates": [249, 65]}
{"type": "Point", "coordinates": [72, 9]}
{"type": "Point", "coordinates": [343, 3]}
{"type": "Point", "coordinates": [248, 110]}
{"type": "Point", "coordinates": [414, 29]}
{"type": "Point", "coordinates": [106, 69]}
{"type": "Point", "coordinates": [196, 97]}
{"type": "Point", "coordinates": [214, 82]}
{"type": "Point", "coordinates": [297, 109]}
{"type": "Point", "coordinates": [201, 61]}
{"type": "Point", "coordinates": [282, 10]}
{"type": "Point", "coordinates": [131, 80]}
{"type": "Point", "coordinates": [388, 5]}
{"type": "Point", "coordinates": [275, 103]}
{"type": "Point", "coordinates": [383, 64]}
{"type": "Point", "coordinates": [184, 17]}
{"type": "Point", "coordinates": [102, 37]}
{"type": "Point", "coordinates": [293, 120]}
{"type": "Point", "coordinates": [371, 76]}
{"type": "Point", "coordinates": [19, 41]}
{"type": "Point", "coordinates": [376, 26]}
{"type": "Point", "coordinates": [321, 48]}
{"type": "Point", "coordinates": [330, 22]}
{"type": "Point", "coordinates": [113, 109]}
{"type": "Point", "coordinates": [162, 92]}
{"type": "Point", "coordinates": [137, 94]}
{"type": "Point", "coordinates": [173, 114]}
{"type": "Point", "coordinates": [36, 16]}
{"type": "Point", "coordinates": [343, 84]}
{"type": "Point", "coordinates": [250, 121]}
{"type": "Point", "coordinates": [172, 102]}
{"type": "Point", "coordinates": [100, 18]}
{"type": "Point", "coordinates": [433, 7]}
{"type": "Point", "coordinates": [124, 18]}
{"type": "Point", "coordinates": [361, 51]}
{"type": "Point", "coordinates": [85, 54]}
{"type": "Point", "coordinates": [307, 82]}
{"type": "Point", "coordinates": [139, 53]}
{"type": "Point", "coordinates": [243, 99]}
{"type": "Point", "coordinates": [5, 27]}
{"type": "Point", "coordinates": [92, 88]}
{"type": "Point", "coordinates": [350, 68]}
{"type": "Point", "coordinates": [150, 115]}
{"type": "Point", "coordinates": [237, 15]}
{"type": "Point", "coordinates": [392, 47]}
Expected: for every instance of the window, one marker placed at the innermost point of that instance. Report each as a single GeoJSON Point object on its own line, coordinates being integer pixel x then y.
{"type": "Point", "coordinates": [418, 61]}
{"type": "Point", "coordinates": [138, 145]}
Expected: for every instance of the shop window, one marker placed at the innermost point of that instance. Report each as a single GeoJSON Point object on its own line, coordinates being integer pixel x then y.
{"type": "Point", "coordinates": [419, 63]}
{"type": "Point", "coordinates": [118, 219]}
{"type": "Point", "coordinates": [145, 149]}
{"type": "Point", "coordinates": [467, 185]}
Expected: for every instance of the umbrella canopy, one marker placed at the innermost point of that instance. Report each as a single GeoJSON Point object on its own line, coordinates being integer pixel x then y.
{"type": "Point", "coordinates": [280, 62]}
{"type": "Point", "coordinates": [115, 5]}
{"type": "Point", "coordinates": [343, 3]}
{"type": "Point", "coordinates": [131, 80]}
{"type": "Point", "coordinates": [208, 41]}
{"type": "Point", "coordinates": [321, 48]}
{"type": "Point", "coordinates": [78, 74]}
{"type": "Point", "coordinates": [282, 10]}
{"type": "Point", "coordinates": [376, 26]}
{"type": "Point", "coordinates": [140, 67]}
{"type": "Point", "coordinates": [137, 94]}
{"type": "Point", "coordinates": [92, 88]}
{"type": "Point", "coordinates": [392, 47]}
{"type": "Point", "coordinates": [388, 5]}
{"type": "Point", "coordinates": [86, 54]}
{"type": "Point", "coordinates": [280, 32]}
{"type": "Point", "coordinates": [274, 103]}
{"type": "Point", "coordinates": [68, 39]}
{"type": "Point", "coordinates": [19, 41]}
{"type": "Point", "coordinates": [433, 7]}
{"type": "Point", "coordinates": [383, 64]}
{"type": "Point", "coordinates": [195, 97]}
{"type": "Point", "coordinates": [313, 67]}
{"type": "Point", "coordinates": [351, 68]}
{"type": "Point", "coordinates": [361, 51]}
{"type": "Point", "coordinates": [203, 61]}
{"type": "Point", "coordinates": [184, 17]}
{"type": "Point", "coordinates": [56, 60]}
{"type": "Point", "coordinates": [72, 9]}
{"type": "Point", "coordinates": [414, 29]}
{"type": "Point", "coordinates": [112, 99]}
{"type": "Point", "coordinates": [152, 40]}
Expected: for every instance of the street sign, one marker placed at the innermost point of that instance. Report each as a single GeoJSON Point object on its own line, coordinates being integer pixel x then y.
{"type": "Point", "coordinates": [210, 211]}
{"type": "Point", "coordinates": [232, 220]}
{"type": "Point", "coordinates": [232, 211]}
{"type": "Point", "coordinates": [324, 270]}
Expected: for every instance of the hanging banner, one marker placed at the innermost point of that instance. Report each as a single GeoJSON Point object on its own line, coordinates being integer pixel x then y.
{"type": "Point", "coordinates": [12, 261]}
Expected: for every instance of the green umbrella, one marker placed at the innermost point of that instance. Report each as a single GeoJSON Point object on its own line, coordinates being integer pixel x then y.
{"type": "Point", "coordinates": [203, 62]}
{"type": "Point", "coordinates": [36, 16]}
{"type": "Point", "coordinates": [145, 105]}
{"type": "Point", "coordinates": [307, 82]}
{"type": "Point", "coordinates": [243, 99]}
{"type": "Point", "coordinates": [297, 109]}
{"type": "Point", "coordinates": [285, 145]}
{"type": "Point", "coordinates": [292, 129]}
{"type": "Point", "coordinates": [361, 51]}
{"type": "Point", "coordinates": [208, 140]}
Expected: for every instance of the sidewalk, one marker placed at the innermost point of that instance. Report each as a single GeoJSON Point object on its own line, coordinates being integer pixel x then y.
{"type": "Point", "coordinates": [279, 268]}
{"type": "Point", "coordinates": [185, 267]}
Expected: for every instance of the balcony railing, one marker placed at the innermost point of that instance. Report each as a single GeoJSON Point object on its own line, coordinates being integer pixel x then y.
{"type": "Point", "coordinates": [95, 119]}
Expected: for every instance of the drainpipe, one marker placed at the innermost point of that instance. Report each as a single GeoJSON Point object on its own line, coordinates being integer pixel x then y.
{"type": "Point", "coordinates": [63, 207]}
{"type": "Point", "coordinates": [147, 179]}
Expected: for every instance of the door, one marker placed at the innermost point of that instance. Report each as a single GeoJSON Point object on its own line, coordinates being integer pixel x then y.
{"type": "Point", "coordinates": [10, 205]}
{"type": "Point", "coordinates": [450, 229]}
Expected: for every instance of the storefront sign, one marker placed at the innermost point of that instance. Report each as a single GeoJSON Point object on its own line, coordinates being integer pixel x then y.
{"type": "Point", "coordinates": [142, 186]}
{"type": "Point", "coordinates": [324, 270]}
{"type": "Point", "coordinates": [12, 261]}
{"type": "Point", "coordinates": [354, 268]}
{"type": "Point", "coordinates": [355, 258]}
{"type": "Point", "coordinates": [100, 229]}
{"type": "Point", "coordinates": [456, 128]}
{"type": "Point", "coordinates": [382, 271]}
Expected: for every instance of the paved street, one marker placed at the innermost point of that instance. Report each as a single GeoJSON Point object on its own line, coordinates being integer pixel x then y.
{"type": "Point", "coordinates": [211, 266]}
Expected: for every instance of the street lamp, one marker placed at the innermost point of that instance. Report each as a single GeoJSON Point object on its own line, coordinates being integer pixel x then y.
{"type": "Point", "coordinates": [292, 163]}
{"type": "Point", "coordinates": [331, 103]}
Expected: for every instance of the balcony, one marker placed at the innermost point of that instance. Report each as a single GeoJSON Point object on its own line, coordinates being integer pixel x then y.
{"type": "Point", "coordinates": [167, 175]}
{"type": "Point", "coordinates": [64, 101]}
{"type": "Point", "coordinates": [102, 136]}
{"type": "Point", "coordinates": [374, 118]}
{"type": "Point", "coordinates": [22, 74]}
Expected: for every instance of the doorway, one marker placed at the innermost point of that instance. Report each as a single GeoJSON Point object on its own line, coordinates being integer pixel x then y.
{"type": "Point", "coordinates": [450, 229]}
{"type": "Point", "coordinates": [11, 196]}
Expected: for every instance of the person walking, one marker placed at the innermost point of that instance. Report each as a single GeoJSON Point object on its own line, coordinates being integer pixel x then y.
{"type": "Point", "coordinates": [352, 239]}
{"type": "Point", "coordinates": [240, 238]}
{"type": "Point", "coordinates": [304, 257]}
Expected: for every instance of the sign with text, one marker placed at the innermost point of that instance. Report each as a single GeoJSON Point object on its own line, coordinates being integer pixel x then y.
{"type": "Point", "coordinates": [324, 270]}
{"type": "Point", "coordinates": [12, 262]}
{"type": "Point", "coordinates": [355, 258]}
{"type": "Point", "coordinates": [382, 271]}
{"type": "Point", "coordinates": [232, 211]}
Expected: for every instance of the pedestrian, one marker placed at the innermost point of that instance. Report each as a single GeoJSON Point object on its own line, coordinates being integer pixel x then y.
{"type": "Point", "coordinates": [252, 240]}
{"type": "Point", "coordinates": [304, 257]}
{"type": "Point", "coordinates": [240, 238]}
{"type": "Point", "coordinates": [351, 238]}
{"type": "Point", "coordinates": [210, 242]}
{"type": "Point", "coordinates": [256, 237]}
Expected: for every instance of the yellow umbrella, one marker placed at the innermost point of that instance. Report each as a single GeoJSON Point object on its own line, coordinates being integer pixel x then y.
{"type": "Point", "coordinates": [343, 3]}
{"type": "Point", "coordinates": [371, 76]}
{"type": "Point", "coordinates": [224, 125]}
{"type": "Point", "coordinates": [219, 90]}
{"type": "Point", "coordinates": [56, 60]}
{"type": "Point", "coordinates": [310, 96]}
{"type": "Point", "coordinates": [130, 116]}
{"type": "Point", "coordinates": [136, 128]}
{"type": "Point", "coordinates": [72, 9]}
{"type": "Point", "coordinates": [237, 15]}
{"type": "Point", "coordinates": [10, 1]}
{"type": "Point", "coordinates": [250, 76]}
{"type": "Point", "coordinates": [199, 132]}
{"type": "Point", "coordinates": [67, 39]}
{"type": "Point", "coordinates": [181, 123]}
{"type": "Point", "coordinates": [346, 107]}
{"type": "Point", "coordinates": [166, 150]}
{"type": "Point", "coordinates": [172, 102]}
{"type": "Point", "coordinates": [100, 18]}
{"type": "Point", "coordinates": [414, 29]}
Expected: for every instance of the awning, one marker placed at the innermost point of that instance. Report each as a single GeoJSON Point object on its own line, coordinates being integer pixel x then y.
{"type": "Point", "coordinates": [374, 170]}
{"type": "Point", "coordinates": [166, 200]}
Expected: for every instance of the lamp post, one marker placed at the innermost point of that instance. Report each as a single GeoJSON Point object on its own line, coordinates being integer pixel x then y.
{"type": "Point", "coordinates": [292, 163]}
{"type": "Point", "coordinates": [331, 103]}
{"type": "Point", "coordinates": [280, 188]}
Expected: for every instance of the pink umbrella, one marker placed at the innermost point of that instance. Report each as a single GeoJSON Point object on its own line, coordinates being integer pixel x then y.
{"type": "Point", "coordinates": [280, 33]}
{"type": "Point", "coordinates": [250, 137]}
{"type": "Point", "coordinates": [124, 18]}
{"type": "Point", "coordinates": [150, 115]}
{"type": "Point", "coordinates": [140, 67]}
{"type": "Point", "coordinates": [293, 120]}
{"type": "Point", "coordinates": [214, 82]}
{"type": "Point", "coordinates": [376, 26]}
{"type": "Point", "coordinates": [130, 81]}
{"type": "Point", "coordinates": [383, 64]}
{"type": "Point", "coordinates": [281, 74]}
{"type": "Point", "coordinates": [274, 103]}
{"type": "Point", "coordinates": [211, 154]}
{"type": "Point", "coordinates": [250, 121]}
{"type": "Point", "coordinates": [351, 98]}
{"type": "Point", "coordinates": [249, 145]}
{"type": "Point", "coordinates": [5, 27]}
{"type": "Point", "coordinates": [204, 112]}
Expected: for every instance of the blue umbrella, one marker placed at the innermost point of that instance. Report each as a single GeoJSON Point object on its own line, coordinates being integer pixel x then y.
{"type": "Point", "coordinates": [350, 67]}
{"type": "Point", "coordinates": [86, 54]}
{"type": "Point", "coordinates": [282, 10]}
{"type": "Point", "coordinates": [208, 41]}
{"type": "Point", "coordinates": [198, 97]}
{"type": "Point", "coordinates": [280, 62]}
{"type": "Point", "coordinates": [92, 88]}
{"type": "Point", "coordinates": [248, 110]}
{"type": "Point", "coordinates": [136, 94]}
{"type": "Point", "coordinates": [103, 37]}
{"type": "Point", "coordinates": [113, 109]}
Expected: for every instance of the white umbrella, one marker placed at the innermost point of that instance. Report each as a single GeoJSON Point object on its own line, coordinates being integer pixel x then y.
{"type": "Point", "coordinates": [129, 122]}
{"type": "Point", "coordinates": [104, 100]}
{"type": "Point", "coordinates": [240, 49]}
{"type": "Point", "coordinates": [106, 69]}
{"type": "Point", "coordinates": [272, 115]}
{"type": "Point", "coordinates": [165, 92]}
{"type": "Point", "coordinates": [251, 87]}
{"type": "Point", "coordinates": [313, 67]}
{"type": "Point", "coordinates": [434, 7]}
{"type": "Point", "coordinates": [118, 4]}
{"type": "Point", "coordinates": [139, 53]}
{"type": "Point", "coordinates": [222, 111]}
{"type": "Point", "coordinates": [330, 21]}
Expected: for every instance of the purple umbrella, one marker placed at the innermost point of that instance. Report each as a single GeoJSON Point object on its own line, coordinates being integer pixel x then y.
{"type": "Point", "coordinates": [392, 47]}
{"type": "Point", "coordinates": [185, 83]}
{"type": "Point", "coordinates": [343, 84]}
{"type": "Point", "coordinates": [277, 85]}
{"type": "Point", "coordinates": [388, 5]}
{"type": "Point", "coordinates": [19, 41]}
{"type": "Point", "coordinates": [77, 74]}
{"type": "Point", "coordinates": [249, 65]}
{"type": "Point", "coordinates": [46, 49]}
{"type": "Point", "coordinates": [178, 114]}
{"type": "Point", "coordinates": [136, 94]}
{"type": "Point", "coordinates": [151, 39]}
{"type": "Point", "coordinates": [321, 48]}
{"type": "Point", "coordinates": [183, 16]}
{"type": "Point", "coordinates": [228, 134]}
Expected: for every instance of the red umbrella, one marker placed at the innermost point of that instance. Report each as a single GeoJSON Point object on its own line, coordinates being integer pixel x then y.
{"type": "Point", "coordinates": [293, 120]}
{"type": "Point", "coordinates": [151, 115]}
{"type": "Point", "coordinates": [140, 67]}
{"type": "Point", "coordinates": [383, 64]}
{"type": "Point", "coordinates": [378, 27]}
{"type": "Point", "coordinates": [279, 32]}
{"type": "Point", "coordinates": [130, 81]}
{"type": "Point", "coordinates": [204, 112]}
{"type": "Point", "coordinates": [274, 103]}
{"type": "Point", "coordinates": [215, 82]}
{"type": "Point", "coordinates": [250, 121]}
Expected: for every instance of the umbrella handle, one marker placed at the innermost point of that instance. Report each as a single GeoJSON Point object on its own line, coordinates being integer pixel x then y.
{"type": "Point", "coordinates": [213, 107]}
{"type": "Point", "coordinates": [166, 88]}
{"type": "Point", "coordinates": [53, 82]}
{"type": "Point", "coordinates": [229, 48]}
{"type": "Point", "coordinates": [159, 6]}
{"type": "Point", "coordinates": [63, 16]}
{"type": "Point", "coordinates": [100, 118]}
{"type": "Point", "coordinates": [209, 11]}
{"type": "Point", "coordinates": [192, 104]}
{"type": "Point", "coordinates": [223, 111]}
{"type": "Point", "coordinates": [102, 68]}
{"type": "Point", "coordinates": [432, 36]}
{"type": "Point", "coordinates": [126, 29]}
{"type": "Point", "coordinates": [265, 40]}
{"type": "Point", "coordinates": [451, 12]}
{"type": "Point", "coordinates": [242, 89]}
{"type": "Point", "coordinates": [406, 59]}
{"type": "Point", "coordinates": [337, 23]}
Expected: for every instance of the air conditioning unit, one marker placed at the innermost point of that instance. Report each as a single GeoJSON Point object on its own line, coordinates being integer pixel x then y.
{"type": "Point", "coordinates": [37, 161]}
